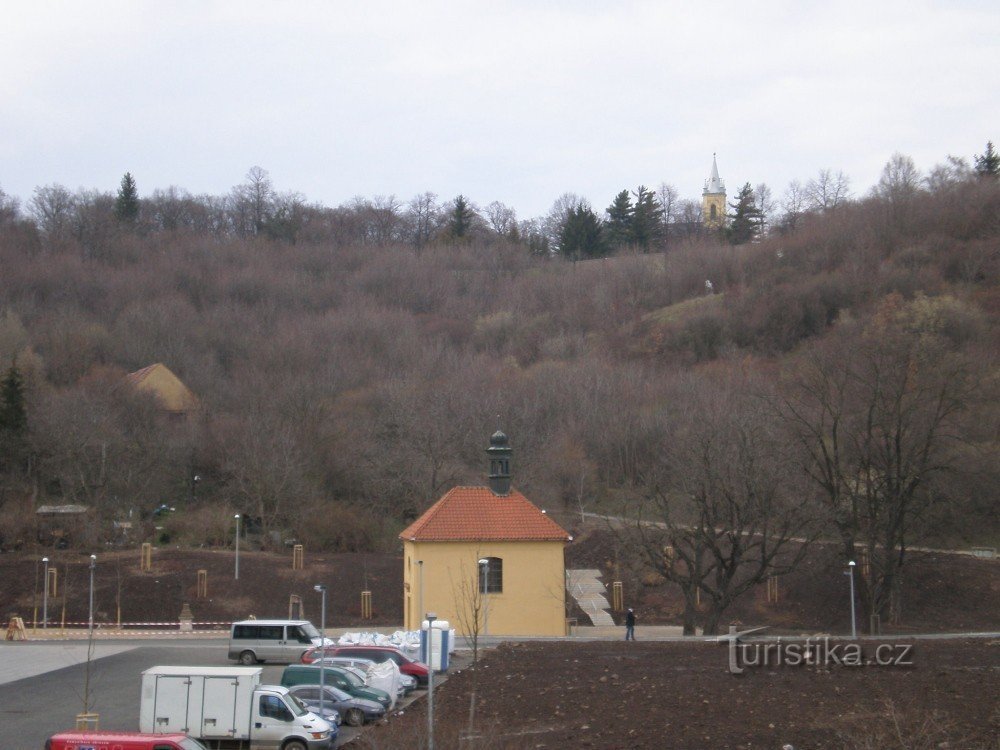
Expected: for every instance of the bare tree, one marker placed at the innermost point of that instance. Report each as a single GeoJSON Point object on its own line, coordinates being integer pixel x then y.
{"type": "Point", "coordinates": [502, 218]}
{"type": "Point", "coordinates": [424, 216]}
{"type": "Point", "coordinates": [827, 191]}
{"type": "Point", "coordinates": [875, 412]}
{"type": "Point", "coordinates": [669, 208]}
{"type": "Point", "coordinates": [719, 513]}
{"type": "Point", "coordinates": [765, 205]}
{"type": "Point", "coordinates": [793, 203]}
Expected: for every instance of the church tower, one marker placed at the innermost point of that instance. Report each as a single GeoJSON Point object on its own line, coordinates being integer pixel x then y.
{"type": "Point", "coordinates": [499, 453]}
{"type": "Point", "coordinates": [713, 200]}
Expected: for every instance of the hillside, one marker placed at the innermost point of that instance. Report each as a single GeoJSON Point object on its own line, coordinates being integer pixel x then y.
{"type": "Point", "coordinates": [345, 381]}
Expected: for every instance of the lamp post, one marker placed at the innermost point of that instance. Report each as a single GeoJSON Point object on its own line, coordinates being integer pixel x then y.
{"type": "Point", "coordinates": [236, 574]}
{"type": "Point", "coordinates": [420, 597]}
{"type": "Point", "coordinates": [45, 595]}
{"type": "Point", "coordinates": [485, 562]}
{"type": "Point", "coordinates": [322, 646]}
{"type": "Point", "coordinates": [90, 620]}
{"type": "Point", "coordinates": [431, 617]}
{"type": "Point", "coordinates": [850, 574]}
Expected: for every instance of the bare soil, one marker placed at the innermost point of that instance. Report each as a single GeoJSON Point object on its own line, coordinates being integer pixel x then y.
{"type": "Point", "coordinates": [680, 695]}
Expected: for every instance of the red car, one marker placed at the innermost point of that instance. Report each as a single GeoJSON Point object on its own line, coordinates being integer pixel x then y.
{"type": "Point", "coordinates": [378, 654]}
{"type": "Point", "coordinates": [74, 740]}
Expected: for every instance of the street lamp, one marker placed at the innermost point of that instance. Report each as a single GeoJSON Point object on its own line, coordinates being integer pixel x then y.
{"type": "Point", "coordinates": [431, 617]}
{"type": "Point", "coordinates": [45, 595]}
{"type": "Point", "coordinates": [850, 574]}
{"type": "Point", "coordinates": [485, 562]}
{"type": "Point", "coordinates": [90, 621]}
{"type": "Point", "coordinates": [236, 576]}
{"type": "Point", "coordinates": [420, 598]}
{"type": "Point", "coordinates": [322, 646]}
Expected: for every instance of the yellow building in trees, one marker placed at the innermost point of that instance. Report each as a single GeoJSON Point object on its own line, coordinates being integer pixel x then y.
{"type": "Point", "coordinates": [486, 559]}
{"type": "Point", "coordinates": [713, 200]}
{"type": "Point", "coordinates": [175, 398]}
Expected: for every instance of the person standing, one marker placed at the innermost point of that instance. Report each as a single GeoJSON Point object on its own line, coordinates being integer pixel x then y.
{"type": "Point", "coordinates": [630, 625]}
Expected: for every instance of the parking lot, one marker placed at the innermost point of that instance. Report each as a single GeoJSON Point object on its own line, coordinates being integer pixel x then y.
{"type": "Point", "coordinates": [42, 683]}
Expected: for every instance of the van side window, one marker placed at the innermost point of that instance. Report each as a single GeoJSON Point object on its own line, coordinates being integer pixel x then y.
{"type": "Point", "coordinates": [271, 632]}
{"type": "Point", "coordinates": [245, 631]}
{"type": "Point", "coordinates": [298, 634]}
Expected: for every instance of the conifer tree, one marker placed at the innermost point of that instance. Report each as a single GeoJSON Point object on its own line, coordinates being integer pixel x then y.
{"type": "Point", "coordinates": [618, 227]}
{"type": "Point", "coordinates": [13, 418]}
{"type": "Point", "coordinates": [460, 221]}
{"type": "Point", "coordinates": [582, 234]}
{"type": "Point", "coordinates": [744, 222]}
{"type": "Point", "coordinates": [645, 219]}
{"type": "Point", "coordinates": [988, 163]}
{"type": "Point", "coordinates": [127, 202]}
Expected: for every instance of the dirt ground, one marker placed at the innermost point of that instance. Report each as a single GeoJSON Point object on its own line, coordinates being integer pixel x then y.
{"type": "Point", "coordinates": [680, 695]}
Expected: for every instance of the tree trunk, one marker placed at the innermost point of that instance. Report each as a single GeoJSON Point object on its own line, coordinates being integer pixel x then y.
{"type": "Point", "coordinates": [690, 613]}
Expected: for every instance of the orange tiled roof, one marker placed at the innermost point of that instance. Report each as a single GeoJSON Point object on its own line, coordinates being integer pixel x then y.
{"type": "Point", "coordinates": [467, 514]}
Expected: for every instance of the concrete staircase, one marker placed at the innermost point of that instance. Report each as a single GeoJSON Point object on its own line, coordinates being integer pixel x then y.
{"type": "Point", "coordinates": [585, 586]}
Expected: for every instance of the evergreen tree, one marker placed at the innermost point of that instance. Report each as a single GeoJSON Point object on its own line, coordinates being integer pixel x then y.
{"type": "Point", "coordinates": [127, 202]}
{"type": "Point", "coordinates": [646, 227]}
{"type": "Point", "coordinates": [744, 222]}
{"type": "Point", "coordinates": [13, 419]}
{"type": "Point", "coordinates": [988, 163]}
{"type": "Point", "coordinates": [619, 224]}
{"type": "Point", "coordinates": [460, 221]}
{"type": "Point", "coordinates": [582, 234]}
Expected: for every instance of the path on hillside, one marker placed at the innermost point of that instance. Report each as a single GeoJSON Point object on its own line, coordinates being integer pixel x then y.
{"type": "Point", "coordinates": [588, 591]}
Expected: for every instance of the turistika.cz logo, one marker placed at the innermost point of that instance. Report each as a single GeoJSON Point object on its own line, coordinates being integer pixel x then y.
{"type": "Point", "coordinates": [815, 652]}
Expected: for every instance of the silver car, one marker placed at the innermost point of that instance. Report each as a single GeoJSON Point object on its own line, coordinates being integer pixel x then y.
{"type": "Point", "coordinates": [356, 711]}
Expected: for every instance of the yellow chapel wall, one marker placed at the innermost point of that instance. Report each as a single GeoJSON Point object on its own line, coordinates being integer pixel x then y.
{"type": "Point", "coordinates": [719, 201]}
{"type": "Point", "coordinates": [533, 600]}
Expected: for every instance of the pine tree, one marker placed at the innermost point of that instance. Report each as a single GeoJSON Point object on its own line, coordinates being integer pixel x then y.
{"type": "Point", "coordinates": [127, 202]}
{"type": "Point", "coordinates": [646, 226]}
{"type": "Point", "coordinates": [619, 224]}
{"type": "Point", "coordinates": [582, 235]}
{"type": "Point", "coordinates": [13, 418]}
{"type": "Point", "coordinates": [460, 221]}
{"type": "Point", "coordinates": [744, 222]}
{"type": "Point", "coordinates": [988, 163]}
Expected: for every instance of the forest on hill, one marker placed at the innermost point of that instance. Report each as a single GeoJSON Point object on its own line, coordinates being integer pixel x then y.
{"type": "Point", "coordinates": [835, 377]}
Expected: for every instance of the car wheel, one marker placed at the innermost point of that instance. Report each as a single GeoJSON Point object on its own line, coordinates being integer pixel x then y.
{"type": "Point", "coordinates": [248, 658]}
{"type": "Point", "coordinates": [295, 744]}
{"type": "Point", "coordinates": [355, 717]}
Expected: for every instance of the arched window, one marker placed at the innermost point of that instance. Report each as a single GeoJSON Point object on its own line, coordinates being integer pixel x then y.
{"type": "Point", "coordinates": [491, 575]}
{"type": "Point", "coordinates": [712, 211]}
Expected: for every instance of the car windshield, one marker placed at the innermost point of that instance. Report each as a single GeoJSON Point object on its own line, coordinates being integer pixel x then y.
{"type": "Point", "coordinates": [352, 678]}
{"type": "Point", "coordinates": [310, 630]}
{"type": "Point", "coordinates": [191, 744]}
{"type": "Point", "coordinates": [295, 705]}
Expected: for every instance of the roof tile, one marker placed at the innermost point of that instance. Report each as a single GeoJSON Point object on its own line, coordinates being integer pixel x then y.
{"type": "Point", "coordinates": [476, 514]}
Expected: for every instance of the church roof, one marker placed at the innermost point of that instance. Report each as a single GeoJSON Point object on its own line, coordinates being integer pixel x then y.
{"type": "Point", "coordinates": [157, 379]}
{"type": "Point", "coordinates": [474, 514]}
{"type": "Point", "coordinates": [713, 184]}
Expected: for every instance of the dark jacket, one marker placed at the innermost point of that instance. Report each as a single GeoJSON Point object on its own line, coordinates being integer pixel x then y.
{"type": "Point", "coordinates": [630, 619]}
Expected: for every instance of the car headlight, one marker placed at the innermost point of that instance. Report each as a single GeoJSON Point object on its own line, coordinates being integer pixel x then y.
{"type": "Point", "coordinates": [320, 735]}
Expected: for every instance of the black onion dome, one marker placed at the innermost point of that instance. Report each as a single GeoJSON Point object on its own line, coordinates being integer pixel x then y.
{"type": "Point", "coordinates": [499, 440]}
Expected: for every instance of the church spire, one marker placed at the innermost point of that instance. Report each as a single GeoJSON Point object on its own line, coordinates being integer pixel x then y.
{"type": "Point", "coordinates": [499, 453]}
{"type": "Point", "coordinates": [713, 199]}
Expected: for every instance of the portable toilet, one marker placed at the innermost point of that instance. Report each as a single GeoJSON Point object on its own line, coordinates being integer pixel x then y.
{"type": "Point", "coordinates": [438, 637]}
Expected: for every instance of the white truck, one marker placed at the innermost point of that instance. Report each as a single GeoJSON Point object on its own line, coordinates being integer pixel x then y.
{"type": "Point", "coordinates": [228, 707]}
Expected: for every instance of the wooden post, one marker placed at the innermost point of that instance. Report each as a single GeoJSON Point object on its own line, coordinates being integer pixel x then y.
{"type": "Point", "coordinates": [202, 584]}
{"type": "Point", "coordinates": [366, 605]}
{"type": "Point", "coordinates": [146, 559]}
{"type": "Point", "coordinates": [772, 589]}
{"type": "Point", "coordinates": [298, 557]}
{"type": "Point", "coordinates": [87, 722]}
{"type": "Point", "coordinates": [53, 582]}
{"type": "Point", "coordinates": [617, 599]}
{"type": "Point", "coordinates": [295, 608]}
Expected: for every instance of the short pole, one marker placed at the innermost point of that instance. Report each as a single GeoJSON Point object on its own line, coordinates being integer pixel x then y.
{"type": "Point", "coordinates": [90, 620]}
{"type": "Point", "coordinates": [236, 574]}
{"type": "Point", "coordinates": [850, 574]}
{"type": "Point", "coordinates": [45, 596]}
{"type": "Point", "coordinates": [420, 594]}
{"type": "Point", "coordinates": [431, 617]}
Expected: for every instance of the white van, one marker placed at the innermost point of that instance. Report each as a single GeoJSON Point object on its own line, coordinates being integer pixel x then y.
{"type": "Point", "coordinates": [252, 641]}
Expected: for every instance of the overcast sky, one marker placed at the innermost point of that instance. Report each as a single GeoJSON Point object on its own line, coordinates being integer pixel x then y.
{"type": "Point", "coordinates": [512, 101]}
